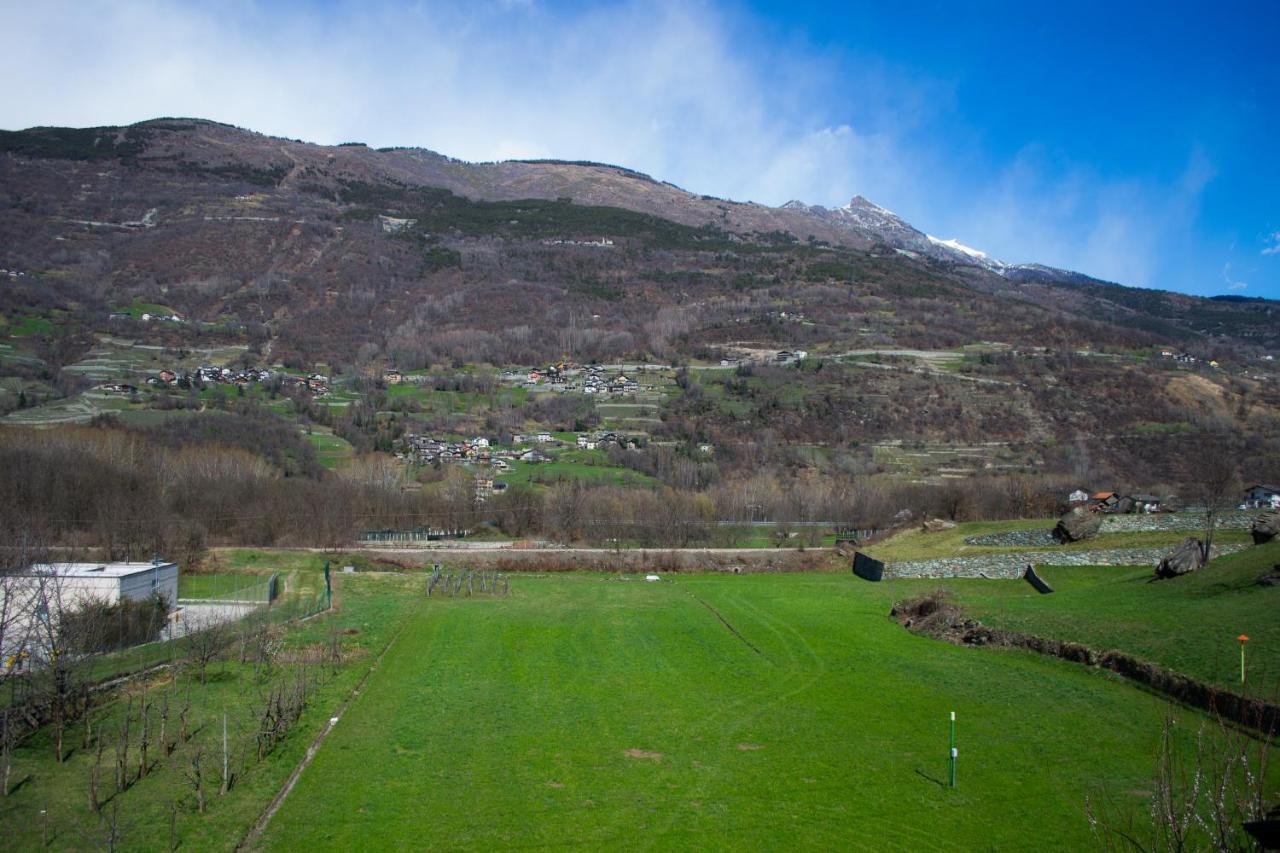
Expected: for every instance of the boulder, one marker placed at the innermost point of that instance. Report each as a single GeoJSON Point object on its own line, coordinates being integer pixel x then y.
{"type": "Point", "coordinates": [1077, 525]}
{"type": "Point", "coordinates": [1186, 558]}
{"type": "Point", "coordinates": [903, 516]}
{"type": "Point", "coordinates": [846, 547]}
{"type": "Point", "coordinates": [937, 525]}
{"type": "Point", "coordinates": [1265, 527]}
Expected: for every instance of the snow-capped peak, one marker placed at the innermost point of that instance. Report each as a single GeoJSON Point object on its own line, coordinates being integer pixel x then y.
{"type": "Point", "coordinates": [886, 227]}
{"type": "Point", "coordinates": [957, 246]}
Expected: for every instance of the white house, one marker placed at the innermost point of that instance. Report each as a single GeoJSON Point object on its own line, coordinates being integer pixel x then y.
{"type": "Point", "coordinates": [1079, 496]}
{"type": "Point", "coordinates": [1262, 495]}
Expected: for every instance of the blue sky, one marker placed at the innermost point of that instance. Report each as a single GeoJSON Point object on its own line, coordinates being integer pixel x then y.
{"type": "Point", "coordinates": [1133, 142]}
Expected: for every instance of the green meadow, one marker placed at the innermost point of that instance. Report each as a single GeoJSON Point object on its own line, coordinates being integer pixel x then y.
{"type": "Point", "coordinates": [1186, 624]}
{"type": "Point", "coordinates": [710, 711]}
{"type": "Point", "coordinates": [739, 712]}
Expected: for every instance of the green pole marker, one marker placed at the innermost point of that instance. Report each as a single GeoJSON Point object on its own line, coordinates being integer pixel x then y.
{"type": "Point", "coordinates": [328, 586]}
{"type": "Point", "coordinates": [1243, 638]}
{"type": "Point", "coordinates": [952, 751]}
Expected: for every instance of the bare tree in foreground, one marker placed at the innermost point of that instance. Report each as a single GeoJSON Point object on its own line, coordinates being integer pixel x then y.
{"type": "Point", "coordinates": [206, 641]}
{"type": "Point", "coordinates": [1215, 485]}
{"type": "Point", "coordinates": [1205, 787]}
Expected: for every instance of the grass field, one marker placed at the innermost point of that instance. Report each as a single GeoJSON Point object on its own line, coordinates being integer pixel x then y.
{"type": "Point", "coordinates": [710, 711]}
{"type": "Point", "coordinates": [332, 451]}
{"type": "Point", "coordinates": [916, 544]}
{"type": "Point", "coordinates": [594, 713]}
{"type": "Point", "coordinates": [588, 466]}
{"type": "Point", "coordinates": [1187, 624]}
{"type": "Point", "coordinates": [222, 586]}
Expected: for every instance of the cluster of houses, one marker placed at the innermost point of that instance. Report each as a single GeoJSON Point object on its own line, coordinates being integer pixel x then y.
{"type": "Point", "coordinates": [427, 450]}
{"type": "Point", "coordinates": [1257, 496]}
{"type": "Point", "coordinates": [1117, 502]}
{"type": "Point", "coordinates": [781, 357]}
{"type": "Point", "coordinates": [1183, 358]}
{"type": "Point", "coordinates": [600, 440]}
{"type": "Point", "coordinates": [602, 243]}
{"type": "Point", "coordinates": [316, 383]}
{"type": "Point", "coordinates": [592, 379]}
{"type": "Point", "coordinates": [12, 273]}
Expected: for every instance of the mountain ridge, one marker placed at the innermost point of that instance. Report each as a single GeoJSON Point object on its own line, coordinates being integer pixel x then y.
{"type": "Point", "coordinates": [202, 213]}
{"type": "Point", "coordinates": [860, 224]}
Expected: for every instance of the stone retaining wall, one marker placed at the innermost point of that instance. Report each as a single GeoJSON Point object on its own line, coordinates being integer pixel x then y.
{"type": "Point", "coordinates": [1041, 538]}
{"type": "Point", "coordinates": [1167, 522]}
{"type": "Point", "coordinates": [1009, 566]}
{"type": "Point", "coordinates": [1176, 521]}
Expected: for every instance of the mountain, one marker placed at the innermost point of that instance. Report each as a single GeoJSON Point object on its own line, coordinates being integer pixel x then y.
{"type": "Point", "coordinates": [884, 227]}
{"type": "Point", "coordinates": [126, 248]}
{"type": "Point", "coordinates": [222, 149]}
{"type": "Point", "coordinates": [235, 227]}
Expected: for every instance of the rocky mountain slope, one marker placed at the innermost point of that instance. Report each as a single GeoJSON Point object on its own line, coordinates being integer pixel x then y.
{"type": "Point", "coordinates": [110, 176]}
{"type": "Point", "coordinates": [354, 260]}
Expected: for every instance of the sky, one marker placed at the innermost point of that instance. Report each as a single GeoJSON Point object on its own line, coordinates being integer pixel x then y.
{"type": "Point", "coordinates": [1139, 143]}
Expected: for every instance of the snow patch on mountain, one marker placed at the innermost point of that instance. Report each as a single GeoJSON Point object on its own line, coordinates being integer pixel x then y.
{"type": "Point", "coordinates": [884, 226]}
{"type": "Point", "coordinates": [976, 256]}
{"type": "Point", "coordinates": [957, 246]}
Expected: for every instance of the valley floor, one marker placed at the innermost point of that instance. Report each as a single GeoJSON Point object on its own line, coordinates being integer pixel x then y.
{"type": "Point", "coordinates": [714, 712]}
{"type": "Point", "coordinates": [709, 711]}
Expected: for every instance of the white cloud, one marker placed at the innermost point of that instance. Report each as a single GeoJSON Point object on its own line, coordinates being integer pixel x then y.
{"type": "Point", "coordinates": [1230, 281]}
{"type": "Point", "coordinates": [1274, 240]}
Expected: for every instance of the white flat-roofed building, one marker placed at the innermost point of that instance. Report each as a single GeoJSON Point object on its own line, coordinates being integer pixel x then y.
{"type": "Point", "coordinates": [108, 582]}
{"type": "Point", "coordinates": [33, 599]}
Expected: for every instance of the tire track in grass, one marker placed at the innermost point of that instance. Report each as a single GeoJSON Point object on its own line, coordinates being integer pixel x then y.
{"type": "Point", "coordinates": [254, 835]}
{"type": "Point", "coordinates": [732, 718]}
{"type": "Point", "coordinates": [889, 832]}
{"type": "Point", "coordinates": [725, 622]}
{"type": "Point", "coordinates": [811, 668]}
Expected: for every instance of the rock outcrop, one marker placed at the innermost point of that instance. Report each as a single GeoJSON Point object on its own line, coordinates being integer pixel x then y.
{"type": "Point", "coordinates": [1077, 525]}
{"type": "Point", "coordinates": [1265, 527]}
{"type": "Point", "coordinates": [937, 525]}
{"type": "Point", "coordinates": [1186, 558]}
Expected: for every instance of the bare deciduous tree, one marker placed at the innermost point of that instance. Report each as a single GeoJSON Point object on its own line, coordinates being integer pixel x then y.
{"type": "Point", "coordinates": [1215, 484]}
{"type": "Point", "coordinates": [206, 640]}
{"type": "Point", "coordinates": [1205, 786]}
{"type": "Point", "coordinates": [195, 777]}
